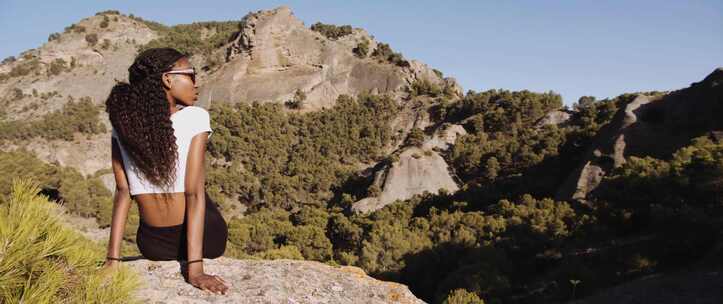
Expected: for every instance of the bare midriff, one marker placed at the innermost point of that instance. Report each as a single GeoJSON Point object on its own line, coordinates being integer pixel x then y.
{"type": "Point", "coordinates": [159, 211]}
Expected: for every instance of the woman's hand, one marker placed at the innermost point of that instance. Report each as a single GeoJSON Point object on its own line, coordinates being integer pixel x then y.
{"type": "Point", "coordinates": [109, 267]}
{"type": "Point", "coordinates": [212, 283]}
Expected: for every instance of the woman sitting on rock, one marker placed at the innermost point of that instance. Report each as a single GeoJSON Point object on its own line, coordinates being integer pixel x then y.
{"type": "Point", "coordinates": [158, 149]}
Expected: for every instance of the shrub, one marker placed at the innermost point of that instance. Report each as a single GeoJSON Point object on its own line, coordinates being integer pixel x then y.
{"type": "Point", "coordinates": [53, 36]}
{"type": "Point", "coordinates": [106, 44]}
{"type": "Point", "coordinates": [424, 87]}
{"type": "Point", "coordinates": [384, 52]}
{"type": "Point", "coordinates": [45, 262]}
{"type": "Point", "coordinates": [331, 31]}
{"type": "Point", "coordinates": [362, 48]}
{"type": "Point", "coordinates": [415, 137]}
{"type": "Point", "coordinates": [298, 101]}
{"type": "Point", "coordinates": [104, 23]}
{"type": "Point", "coordinates": [57, 66]}
{"type": "Point", "coordinates": [92, 39]}
{"type": "Point", "coordinates": [75, 28]}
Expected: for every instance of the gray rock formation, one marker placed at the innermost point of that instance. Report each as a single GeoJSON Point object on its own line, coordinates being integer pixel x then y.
{"type": "Point", "coordinates": [416, 171]}
{"type": "Point", "coordinates": [275, 54]}
{"type": "Point", "coordinates": [556, 117]}
{"type": "Point", "coordinates": [268, 281]}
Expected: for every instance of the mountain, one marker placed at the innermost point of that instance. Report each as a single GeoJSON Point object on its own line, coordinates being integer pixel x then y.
{"type": "Point", "coordinates": [332, 147]}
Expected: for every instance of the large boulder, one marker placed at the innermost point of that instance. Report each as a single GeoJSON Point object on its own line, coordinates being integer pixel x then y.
{"type": "Point", "coordinates": [267, 281]}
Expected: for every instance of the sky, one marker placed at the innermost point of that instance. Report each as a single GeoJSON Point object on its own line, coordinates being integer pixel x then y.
{"type": "Point", "coordinates": [575, 48]}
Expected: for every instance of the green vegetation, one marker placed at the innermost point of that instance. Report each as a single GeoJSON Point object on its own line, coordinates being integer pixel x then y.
{"type": "Point", "coordinates": [362, 48]}
{"type": "Point", "coordinates": [22, 68]}
{"type": "Point", "coordinates": [424, 87]}
{"type": "Point", "coordinates": [331, 31]}
{"type": "Point", "coordinates": [45, 262]}
{"type": "Point", "coordinates": [293, 159]}
{"type": "Point", "coordinates": [198, 38]}
{"type": "Point", "coordinates": [385, 54]}
{"type": "Point", "coordinates": [53, 36]}
{"type": "Point", "coordinates": [298, 101]}
{"type": "Point", "coordinates": [57, 66]}
{"type": "Point", "coordinates": [80, 116]}
{"type": "Point", "coordinates": [74, 28]}
{"type": "Point", "coordinates": [105, 22]}
{"type": "Point", "coordinates": [92, 39]}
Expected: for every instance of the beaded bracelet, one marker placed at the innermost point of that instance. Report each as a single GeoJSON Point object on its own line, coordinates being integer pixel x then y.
{"type": "Point", "coordinates": [112, 258]}
{"type": "Point", "coordinates": [194, 261]}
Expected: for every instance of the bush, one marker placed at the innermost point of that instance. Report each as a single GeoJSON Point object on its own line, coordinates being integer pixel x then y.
{"type": "Point", "coordinates": [53, 36]}
{"type": "Point", "coordinates": [57, 66]}
{"type": "Point", "coordinates": [92, 39]}
{"type": "Point", "coordinates": [45, 262]}
{"type": "Point", "coordinates": [298, 101]}
{"type": "Point", "coordinates": [424, 87]}
{"type": "Point", "coordinates": [75, 28]}
{"type": "Point", "coordinates": [362, 48]}
{"type": "Point", "coordinates": [106, 44]}
{"type": "Point", "coordinates": [415, 137]}
{"type": "Point", "coordinates": [331, 31]}
{"type": "Point", "coordinates": [384, 52]}
{"type": "Point", "coordinates": [104, 23]}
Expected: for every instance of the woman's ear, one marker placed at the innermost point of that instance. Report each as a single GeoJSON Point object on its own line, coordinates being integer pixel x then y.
{"type": "Point", "coordinates": [166, 81]}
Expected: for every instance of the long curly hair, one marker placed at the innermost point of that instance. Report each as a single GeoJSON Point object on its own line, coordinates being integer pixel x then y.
{"type": "Point", "coordinates": [139, 113]}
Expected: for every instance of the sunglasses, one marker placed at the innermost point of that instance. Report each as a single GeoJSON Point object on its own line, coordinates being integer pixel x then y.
{"type": "Point", "coordinates": [190, 72]}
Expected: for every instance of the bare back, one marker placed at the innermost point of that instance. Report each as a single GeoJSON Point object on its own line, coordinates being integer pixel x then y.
{"type": "Point", "coordinates": [159, 211]}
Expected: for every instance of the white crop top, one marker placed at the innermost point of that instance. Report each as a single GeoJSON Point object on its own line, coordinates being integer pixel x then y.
{"type": "Point", "coordinates": [187, 122]}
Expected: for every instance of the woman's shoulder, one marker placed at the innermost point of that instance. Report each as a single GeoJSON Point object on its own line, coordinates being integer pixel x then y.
{"type": "Point", "coordinates": [195, 110]}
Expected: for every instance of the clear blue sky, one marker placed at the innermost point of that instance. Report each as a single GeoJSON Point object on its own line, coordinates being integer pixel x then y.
{"type": "Point", "coordinates": [575, 48]}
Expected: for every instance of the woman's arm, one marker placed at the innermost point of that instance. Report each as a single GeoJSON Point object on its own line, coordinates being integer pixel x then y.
{"type": "Point", "coordinates": [121, 202]}
{"type": "Point", "coordinates": [195, 201]}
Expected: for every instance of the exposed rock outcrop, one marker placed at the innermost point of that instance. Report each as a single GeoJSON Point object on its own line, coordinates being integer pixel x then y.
{"type": "Point", "coordinates": [268, 281]}
{"type": "Point", "coordinates": [275, 54]}
{"type": "Point", "coordinates": [416, 171]}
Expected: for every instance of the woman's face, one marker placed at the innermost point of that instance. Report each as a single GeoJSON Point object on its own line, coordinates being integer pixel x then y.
{"type": "Point", "coordinates": [182, 87]}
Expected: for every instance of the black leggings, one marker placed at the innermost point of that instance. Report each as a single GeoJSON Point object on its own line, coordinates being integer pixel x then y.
{"type": "Point", "coordinates": [170, 243]}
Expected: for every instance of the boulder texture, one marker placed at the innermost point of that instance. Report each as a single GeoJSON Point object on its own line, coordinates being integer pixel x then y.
{"type": "Point", "coordinates": [416, 171]}
{"type": "Point", "coordinates": [267, 281]}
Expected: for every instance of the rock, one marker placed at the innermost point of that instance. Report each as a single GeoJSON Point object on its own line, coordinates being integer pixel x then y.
{"type": "Point", "coordinates": [555, 117]}
{"type": "Point", "coordinates": [416, 171]}
{"type": "Point", "coordinates": [275, 54]}
{"type": "Point", "coordinates": [444, 137]}
{"type": "Point", "coordinates": [268, 281]}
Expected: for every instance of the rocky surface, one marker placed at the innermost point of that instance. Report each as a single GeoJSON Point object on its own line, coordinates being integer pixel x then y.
{"type": "Point", "coordinates": [416, 171]}
{"type": "Point", "coordinates": [268, 281]}
{"type": "Point", "coordinates": [275, 54]}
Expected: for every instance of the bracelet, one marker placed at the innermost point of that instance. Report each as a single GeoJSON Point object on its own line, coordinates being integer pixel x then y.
{"type": "Point", "coordinates": [194, 261]}
{"type": "Point", "coordinates": [112, 258]}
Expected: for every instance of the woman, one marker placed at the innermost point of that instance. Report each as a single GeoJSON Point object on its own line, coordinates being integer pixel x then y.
{"type": "Point", "coordinates": [158, 150]}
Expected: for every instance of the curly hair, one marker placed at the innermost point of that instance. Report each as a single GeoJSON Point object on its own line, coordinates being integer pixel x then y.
{"type": "Point", "coordinates": [140, 115]}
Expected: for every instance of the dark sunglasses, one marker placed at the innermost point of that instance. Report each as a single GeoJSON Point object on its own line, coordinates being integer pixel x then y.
{"type": "Point", "coordinates": [190, 72]}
